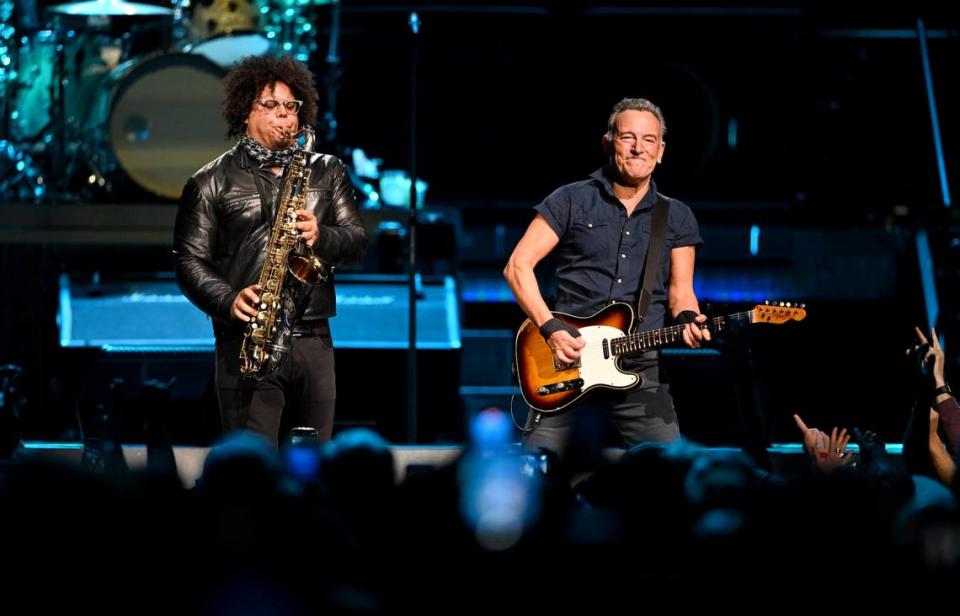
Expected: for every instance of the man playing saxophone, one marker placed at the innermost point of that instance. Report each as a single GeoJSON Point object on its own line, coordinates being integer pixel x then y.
{"type": "Point", "coordinates": [222, 234]}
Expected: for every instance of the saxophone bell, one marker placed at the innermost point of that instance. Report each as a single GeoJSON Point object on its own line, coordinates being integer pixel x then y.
{"type": "Point", "coordinates": [309, 269]}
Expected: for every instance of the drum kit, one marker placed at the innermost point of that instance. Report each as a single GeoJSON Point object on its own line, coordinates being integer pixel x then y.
{"type": "Point", "coordinates": [111, 97]}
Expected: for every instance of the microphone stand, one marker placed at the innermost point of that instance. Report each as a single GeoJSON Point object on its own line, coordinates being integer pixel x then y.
{"type": "Point", "coordinates": [331, 80]}
{"type": "Point", "coordinates": [414, 23]}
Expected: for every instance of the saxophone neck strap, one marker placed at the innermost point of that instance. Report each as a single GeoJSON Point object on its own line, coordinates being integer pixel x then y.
{"type": "Point", "coordinates": [266, 203]}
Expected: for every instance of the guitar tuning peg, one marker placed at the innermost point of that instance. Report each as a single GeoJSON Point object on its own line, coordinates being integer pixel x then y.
{"type": "Point", "coordinates": [766, 302]}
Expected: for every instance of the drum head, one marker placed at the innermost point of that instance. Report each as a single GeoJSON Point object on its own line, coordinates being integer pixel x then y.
{"type": "Point", "coordinates": [228, 49]}
{"type": "Point", "coordinates": [165, 121]}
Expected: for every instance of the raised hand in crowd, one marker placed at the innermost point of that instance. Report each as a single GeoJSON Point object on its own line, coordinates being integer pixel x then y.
{"type": "Point", "coordinates": [929, 357]}
{"type": "Point", "coordinates": [827, 453]}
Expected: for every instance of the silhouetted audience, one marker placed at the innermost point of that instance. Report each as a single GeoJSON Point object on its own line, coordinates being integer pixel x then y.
{"type": "Point", "coordinates": [341, 528]}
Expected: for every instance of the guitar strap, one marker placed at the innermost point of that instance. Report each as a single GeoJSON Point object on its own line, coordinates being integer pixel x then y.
{"type": "Point", "coordinates": [651, 267]}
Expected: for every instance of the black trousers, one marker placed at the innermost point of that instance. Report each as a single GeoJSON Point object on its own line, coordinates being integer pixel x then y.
{"type": "Point", "coordinates": [302, 392]}
{"type": "Point", "coordinates": [639, 415]}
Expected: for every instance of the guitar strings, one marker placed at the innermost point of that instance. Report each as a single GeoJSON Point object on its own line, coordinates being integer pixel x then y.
{"type": "Point", "coordinates": [645, 338]}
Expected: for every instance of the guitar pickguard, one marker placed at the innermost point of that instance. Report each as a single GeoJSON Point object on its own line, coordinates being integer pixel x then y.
{"type": "Point", "coordinates": [598, 368]}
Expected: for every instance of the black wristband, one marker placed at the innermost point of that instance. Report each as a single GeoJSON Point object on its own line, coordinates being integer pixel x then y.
{"type": "Point", "coordinates": [687, 316]}
{"type": "Point", "coordinates": [552, 326]}
{"type": "Point", "coordinates": [945, 389]}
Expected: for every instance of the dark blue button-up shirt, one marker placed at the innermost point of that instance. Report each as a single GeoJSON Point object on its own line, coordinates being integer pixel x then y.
{"type": "Point", "coordinates": [602, 249]}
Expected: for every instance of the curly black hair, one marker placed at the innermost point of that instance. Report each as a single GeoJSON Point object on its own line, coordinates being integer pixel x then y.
{"type": "Point", "coordinates": [244, 83]}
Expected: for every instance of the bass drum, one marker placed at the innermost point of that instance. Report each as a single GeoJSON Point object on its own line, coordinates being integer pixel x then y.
{"type": "Point", "coordinates": [158, 120]}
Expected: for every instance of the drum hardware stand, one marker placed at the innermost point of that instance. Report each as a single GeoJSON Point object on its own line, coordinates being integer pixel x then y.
{"type": "Point", "coordinates": [71, 149]}
{"type": "Point", "coordinates": [178, 28]}
{"type": "Point", "coordinates": [6, 70]}
{"type": "Point", "coordinates": [24, 182]}
{"type": "Point", "coordinates": [6, 36]}
{"type": "Point", "coordinates": [51, 139]}
{"type": "Point", "coordinates": [75, 147]}
{"type": "Point", "coordinates": [83, 156]}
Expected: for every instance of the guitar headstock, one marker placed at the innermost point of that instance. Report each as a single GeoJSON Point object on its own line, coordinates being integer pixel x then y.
{"type": "Point", "coordinates": [777, 313]}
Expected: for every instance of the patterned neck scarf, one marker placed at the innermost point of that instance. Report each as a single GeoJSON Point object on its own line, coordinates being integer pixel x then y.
{"type": "Point", "coordinates": [265, 156]}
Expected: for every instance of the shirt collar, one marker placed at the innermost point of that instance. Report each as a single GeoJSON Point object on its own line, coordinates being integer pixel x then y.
{"type": "Point", "coordinates": [602, 177]}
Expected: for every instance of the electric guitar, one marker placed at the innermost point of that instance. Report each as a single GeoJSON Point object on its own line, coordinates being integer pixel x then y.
{"type": "Point", "coordinates": [548, 386]}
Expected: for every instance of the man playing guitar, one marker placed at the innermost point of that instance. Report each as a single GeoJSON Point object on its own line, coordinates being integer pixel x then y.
{"type": "Point", "coordinates": [601, 228]}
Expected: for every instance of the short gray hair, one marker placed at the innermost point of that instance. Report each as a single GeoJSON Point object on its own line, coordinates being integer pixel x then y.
{"type": "Point", "coordinates": [634, 104]}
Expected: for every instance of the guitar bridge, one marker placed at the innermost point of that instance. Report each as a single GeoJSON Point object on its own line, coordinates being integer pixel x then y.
{"type": "Point", "coordinates": [562, 386]}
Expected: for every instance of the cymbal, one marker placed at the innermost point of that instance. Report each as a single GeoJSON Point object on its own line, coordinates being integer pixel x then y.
{"type": "Point", "coordinates": [110, 7]}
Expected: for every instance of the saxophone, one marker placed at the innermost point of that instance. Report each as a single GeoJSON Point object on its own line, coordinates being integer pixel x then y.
{"type": "Point", "coordinates": [289, 274]}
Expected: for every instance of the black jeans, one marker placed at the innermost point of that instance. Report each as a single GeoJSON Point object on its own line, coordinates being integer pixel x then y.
{"type": "Point", "coordinates": [639, 415]}
{"type": "Point", "coordinates": [302, 392]}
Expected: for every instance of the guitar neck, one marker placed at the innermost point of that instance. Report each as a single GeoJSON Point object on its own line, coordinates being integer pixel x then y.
{"type": "Point", "coordinates": [656, 338]}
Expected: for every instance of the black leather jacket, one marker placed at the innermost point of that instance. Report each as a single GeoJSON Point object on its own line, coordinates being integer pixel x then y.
{"type": "Point", "coordinates": [221, 233]}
